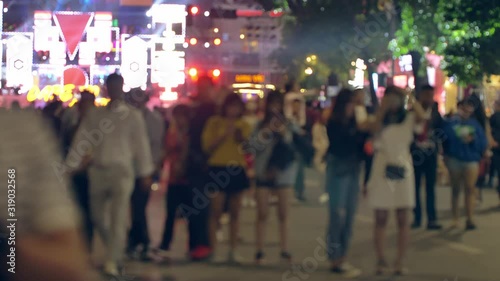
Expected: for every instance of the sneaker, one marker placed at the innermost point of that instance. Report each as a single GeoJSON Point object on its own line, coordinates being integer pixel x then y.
{"type": "Point", "coordinates": [201, 253]}
{"type": "Point", "coordinates": [416, 225]}
{"type": "Point", "coordinates": [233, 258]}
{"type": "Point", "coordinates": [434, 226]}
{"type": "Point", "coordinates": [470, 225]}
{"type": "Point", "coordinates": [111, 268]}
{"type": "Point", "coordinates": [324, 198]}
{"type": "Point", "coordinates": [346, 270]}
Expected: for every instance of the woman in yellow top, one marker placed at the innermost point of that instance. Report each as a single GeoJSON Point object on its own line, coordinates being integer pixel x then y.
{"type": "Point", "coordinates": [223, 140]}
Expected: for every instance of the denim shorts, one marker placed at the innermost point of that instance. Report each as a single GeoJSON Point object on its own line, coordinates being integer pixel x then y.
{"type": "Point", "coordinates": [454, 164]}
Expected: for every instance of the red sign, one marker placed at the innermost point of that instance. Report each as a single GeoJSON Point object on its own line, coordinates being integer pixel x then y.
{"type": "Point", "coordinates": [72, 28]}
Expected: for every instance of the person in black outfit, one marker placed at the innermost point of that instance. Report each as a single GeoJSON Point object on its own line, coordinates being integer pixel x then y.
{"type": "Point", "coordinates": [425, 152]}
{"type": "Point", "coordinates": [495, 131]}
{"type": "Point", "coordinates": [203, 108]}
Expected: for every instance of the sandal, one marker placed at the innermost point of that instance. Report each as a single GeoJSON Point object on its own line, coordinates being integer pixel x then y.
{"type": "Point", "coordinates": [259, 257]}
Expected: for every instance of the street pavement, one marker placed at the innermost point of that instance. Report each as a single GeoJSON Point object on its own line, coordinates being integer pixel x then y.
{"type": "Point", "coordinates": [447, 255]}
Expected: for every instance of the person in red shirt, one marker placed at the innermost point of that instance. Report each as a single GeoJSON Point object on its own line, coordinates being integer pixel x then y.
{"type": "Point", "coordinates": [179, 195]}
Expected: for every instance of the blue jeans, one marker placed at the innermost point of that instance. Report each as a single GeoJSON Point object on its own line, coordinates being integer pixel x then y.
{"type": "Point", "coordinates": [343, 190]}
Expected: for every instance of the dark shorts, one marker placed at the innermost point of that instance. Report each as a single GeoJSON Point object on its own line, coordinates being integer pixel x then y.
{"type": "Point", "coordinates": [226, 180]}
{"type": "Point", "coordinates": [270, 185]}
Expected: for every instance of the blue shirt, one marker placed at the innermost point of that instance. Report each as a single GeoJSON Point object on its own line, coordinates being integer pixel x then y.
{"type": "Point", "coordinates": [456, 130]}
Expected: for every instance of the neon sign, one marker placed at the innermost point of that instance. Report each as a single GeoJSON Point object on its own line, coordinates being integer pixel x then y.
{"type": "Point", "coordinates": [246, 78]}
{"type": "Point", "coordinates": [64, 93]}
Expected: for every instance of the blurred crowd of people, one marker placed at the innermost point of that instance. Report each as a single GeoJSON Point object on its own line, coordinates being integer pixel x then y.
{"type": "Point", "coordinates": [215, 154]}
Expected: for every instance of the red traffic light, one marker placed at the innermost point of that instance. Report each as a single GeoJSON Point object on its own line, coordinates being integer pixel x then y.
{"type": "Point", "coordinates": [194, 10]}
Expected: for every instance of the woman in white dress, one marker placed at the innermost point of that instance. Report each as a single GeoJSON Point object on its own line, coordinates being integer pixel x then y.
{"type": "Point", "coordinates": [391, 185]}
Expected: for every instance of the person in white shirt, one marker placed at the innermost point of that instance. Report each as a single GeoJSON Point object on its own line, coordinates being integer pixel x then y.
{"type": "Point", "coordinates": [113, 141]}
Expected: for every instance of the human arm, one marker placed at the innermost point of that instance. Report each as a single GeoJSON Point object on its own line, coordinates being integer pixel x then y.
{"type": "Point", "coordinates": [210, 137]}
{"type": "Point", "coordinates": [141, 148]}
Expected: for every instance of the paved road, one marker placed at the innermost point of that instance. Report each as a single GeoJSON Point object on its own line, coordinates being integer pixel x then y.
{"type": "Point", "coordinates": [449, 255]}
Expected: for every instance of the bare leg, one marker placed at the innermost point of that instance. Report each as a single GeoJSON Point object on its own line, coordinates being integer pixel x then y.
{"type": "Point", "coordinates": [283, 206]}
{"type": "Point", "coordinates": [456, 183]}
{"type": "Point", "coordinates": [470, 179]}
{"type": "Point", "coordinates": [403, 236]}
{"type": "Point", "coordinates": [217, 207]}
{"type": "Point", "coordinates": [234, 211]}
{"type": "Point", "coordinates": [262, 196]}
{"type": "Point", "coordinates": [379, 233]}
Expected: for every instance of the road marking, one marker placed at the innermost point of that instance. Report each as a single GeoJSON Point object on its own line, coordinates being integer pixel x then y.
{"type": "Point", "coordinates": [432, 235]}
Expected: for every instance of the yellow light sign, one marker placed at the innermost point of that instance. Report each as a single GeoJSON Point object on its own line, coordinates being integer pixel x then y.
{"type": "Point", "coordinates": [64, 93]}
{"type": "Point", "coordinates": [247, 78]}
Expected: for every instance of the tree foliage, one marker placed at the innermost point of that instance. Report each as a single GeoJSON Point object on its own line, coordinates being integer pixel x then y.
{"type": "Point", "coordinates": [472, 31]}
{"type": "Point", "coordinates": [464, 32]}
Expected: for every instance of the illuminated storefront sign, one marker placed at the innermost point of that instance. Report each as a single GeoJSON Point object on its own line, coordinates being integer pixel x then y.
{"type": "Point", "coordinates": [248, 78]}
{"type": "Point", "coordinates": [63, 93]}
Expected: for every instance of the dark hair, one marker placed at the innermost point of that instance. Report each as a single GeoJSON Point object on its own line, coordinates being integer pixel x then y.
{"type": "Point", "coordinates": [289, 86]}
{"type": "Point", "coordinates": [273, 96]}
{"type": "Point", "coordinates": [114, 78]}
{"type": "Point", "coordinates": [181, 109]}
{"type": "Point", "coordinates": [400, 115]}
{"type": "Point", "coordinates": [231, 99]}
{"type": "Point", "coordinates": [87, 96]}
{"type": "Point", "coordinates": [343, 98]}
{"type": "Point", "coordinates": [479, 111]}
